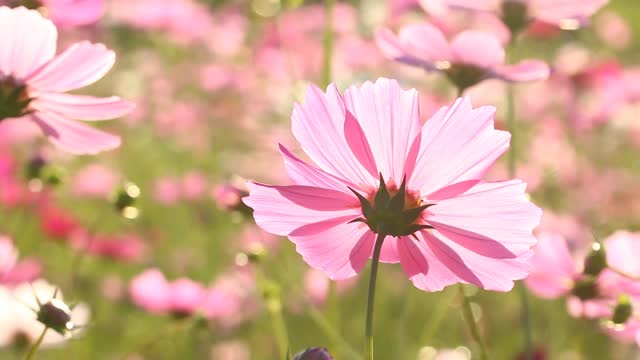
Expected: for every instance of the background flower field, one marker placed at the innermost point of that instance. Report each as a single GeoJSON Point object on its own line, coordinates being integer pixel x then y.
{"type": "Point", "coordinates": [214, 83]}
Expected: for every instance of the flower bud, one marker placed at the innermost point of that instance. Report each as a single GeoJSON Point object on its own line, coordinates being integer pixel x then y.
{"type": "Point", "coordinates": [56, 315]}
{"type": "Point", "coordinates": [515, 16]}
{"type": "Point", "coordinates": [623, 310]}
{"type": "Point", "coordinates": [313, 354]}
{"type": "Point", "coordinates": [596, 261]}
{"type": "Point", "coordinates": [586, 288]}
{"type": "Point", "coordinates": [125, 199]}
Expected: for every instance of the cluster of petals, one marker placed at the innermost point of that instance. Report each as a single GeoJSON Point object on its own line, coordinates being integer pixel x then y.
{"type": "Point", "coordinates": [152, 292]}
{"type": "Point", "coordinates": [189, 187]}
{"type": "Point", "coordinates": [564, 13]}
{"type": "Point", "coordinates": [481, 231]}
{"type": "Point", "coordinates": [476, 55]}
{"type": "Point", "coordinates": [556, 272]}
{"type": "Point", "coordinates": [29, 59]}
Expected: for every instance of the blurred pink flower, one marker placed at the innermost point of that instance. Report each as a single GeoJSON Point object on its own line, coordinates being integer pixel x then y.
{"type": "Point", "coordinates": [472, 232]}
{"type": "Point", "coordinates": [122, 247]}
{"type": "Point", "coordinates": [553, 269]}
{"type": "Point", "coordinates": [316, 286]}
{"type": "Point", "coordinates": [70, 13]}
{"type": "Point", "coordinates": [33, 82]}
{"type": "Point", "coordinates": [166, 191]}
{"type": "Point", "coordinates": [152, 292]}
{"type": "Point", "coordinates": [231, 299]}
{"type": "Point", "coordinates": [564, 13]}
{"type": "Point", "coordinates": [8, 255]}
{"type": "Point", "coordinates": [56, 222]}
{"type": "Point", "coordinates": [94, 180]}
{"type": "Point", "coordinates": [472, 56]}
{"type": "Point", "coordinates": [12, 271]}
{"type": "Point", "coordinates": [194, 185]}
{"type": "Point", "coordinates": [613, 30]}
{"type": "Point", "coordinates": [228, 196]}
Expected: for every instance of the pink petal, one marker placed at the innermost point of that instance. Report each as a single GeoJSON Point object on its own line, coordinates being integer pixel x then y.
{"type": "Point", "coordinates": [492, 219]}
{"type": "Point", "coordinates": [390, 119]}
{"type": "Point", "coordinates": [418, 44]}
{"type": "Point", "coordinates": [475, 5]}
{"type": "Point", "coordinates": [67, 13]}
{"type": "Point", "coordinates": [302, 173]}
{"type": "Point", "coordinates": [27, 41]}
{"type": "Point", "coordinates": [623, 251]}
{"type": "Point", "coordinates": [555, 12]}
{"type": "Point", "coordinates": [458, 144]}
{"type": "Point", "coordinates": [83, 107]}
{"type": "Point", "coordinates": [524, 71]}
{"type": "Point", "coordinates": [552, 267]}
{"type": "Point", "coordinates": [422, 267]}
{"type": "Point", "coordinates": [82, 64]}
{"type": "Point", "coordinates": [389, 252]}
{"type": "Point", "coordinates": [319, 126]}
{"type": "Point", "coordinates": [73, 136]}
{"type": "Point", "coordinates": [151, 291]}
{"type": "Point", "coordinates": [473, 268]}
{"type": "Point", "coordinates": [283, 209]}
{"type": "Point", "coordinates": [477, 48]}
{"type": "Point", "coordinates": [339, 249]}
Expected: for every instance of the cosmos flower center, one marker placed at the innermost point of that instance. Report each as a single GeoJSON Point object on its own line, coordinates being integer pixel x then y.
{"type": "Point", "coordinates": [464, 75]}
{"type": "Point", "coordinates": [14, 98]}
{"type": "Point", "coordinates": [392, 210]}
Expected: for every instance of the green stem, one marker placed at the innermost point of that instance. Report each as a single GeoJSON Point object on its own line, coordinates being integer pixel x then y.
{"type": "Point", "coordinates": [368, 331]}
{"type": "Point", "coordinates": [473, 326]}
{"type": "Point", "coordinates": [34, 348]}
{"type": "Point", "coordinates": [327, 44]}
{"type": "Point", "coordinates": [279, 327]}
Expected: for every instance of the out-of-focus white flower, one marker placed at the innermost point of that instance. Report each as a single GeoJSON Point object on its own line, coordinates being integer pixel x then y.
{"type": "Point", "coordinates": [18, 317]}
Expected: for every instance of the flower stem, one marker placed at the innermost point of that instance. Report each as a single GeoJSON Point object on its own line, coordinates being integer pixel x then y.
{"type": "Point", "coordinates": [368, 331]}
{"type": "Point", "coordinates": [34, 348]}
{"type": "Point", "coordinates": [471, 322]}
{"type": "Point", "coordinates": [327, 44]}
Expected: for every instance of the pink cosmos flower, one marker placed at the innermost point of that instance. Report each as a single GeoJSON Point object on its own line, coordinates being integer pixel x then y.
{"type": "Point", "coordinates": [34, 82]}
{"type": "Point", "coordinates": [95, 181]}
{"type": "Point", "coordinates": [444, 226]}
{"type": "Point", "coordinates": [71, 13]}
{"type": "Point", "coordinates": [8, 255]}
{"type": "Point", "coordinates": [12, 271]}
{"type": "Point", "coordinates": [472, 56]}
{"type": "Point", "coordinates": [152, 292]}
{"type": "Point", "coordinates": [568, 14]}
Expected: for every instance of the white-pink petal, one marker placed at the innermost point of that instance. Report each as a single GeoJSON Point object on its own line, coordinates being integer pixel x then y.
{"type": "Point", "coordinates": [421, 45]}
{"type": "Point", "coordinates": [27, 41]}
{"type": "Point", "coordinates": [552, 267]}
{"type": "Point", "coordinates": [80, 65]}
{"type": "Point", "coordinates": [302, 173]}
{"type": "Point", "coordinates": [458, 144]}
{"type": "Point", "coordinates": [319, 126]}
{"type": "Point", "coordinates": [73, 136]}
{"type": "Point", "coordinates": [524, 71]}
{"type": "Point", "coordinates": [389, 117]}
{"type": "Point", "coordinates": [83, 107]}
{"type": "Point", "coordinates": [282, 209]}
{"type": "Point", "coordinates": [481, 49]}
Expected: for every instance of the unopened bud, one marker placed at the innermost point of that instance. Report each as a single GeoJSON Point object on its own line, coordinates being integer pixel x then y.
{"type": "Point", "coordinates": [56, 315]}
{"type": "Point", "coordinates": [596, 261]}
{"type": "Point", "coordinates": [313, 354]}
{"type": "Point", "coordinates": [623, 310]}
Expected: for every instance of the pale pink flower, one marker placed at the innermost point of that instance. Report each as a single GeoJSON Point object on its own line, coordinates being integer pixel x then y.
{"type": "Point", "coordinates": [613, 30]}
{"type": "Point", "coordinates": [187, 296]}
{"type": "Point", "coordinates": [70, 13]}
{"type": "Point", "coordinates": [194, 185]}
{"type": "Point", "coordinates": [151, 291]}
{"type": "Point", "coordinates": [166, 191]}
{"type": "Point", "coordinates": [94, 180]}
{"type": "Point", "coordinates": [8, 255]}
{"type": "Point", "coordinates": [455, 227]}
{"type": "Point", "coordinates": [34, 82]}
{"type": "Point", "coordinates": [567, 14]}
{"type": "Point", "coordinates": [470, 57]}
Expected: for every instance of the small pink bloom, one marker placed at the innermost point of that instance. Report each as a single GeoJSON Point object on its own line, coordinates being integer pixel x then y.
{"type": "Point", "coordinates": [125, 247]}
{"type": "Point", "coordinates": [472, 56]}
{"type": "Point", "coordinates": [613, 30]}
{"type": "Point", "coordinates": [194, 185]}
{"type": "Point", "coordinates": [151, 291]}
{"type": "Point", "coordinates": [56, 222]}
{"type": "Point", "coordinates": [24, 271]}
{"type": "Point", "coordinates": [472, 231]}
{"type": "Point", "coordinates": [166, 191]}
{"type": "Point", "coordinates": [71, 13]}
{"type": "Point", "coordinates": [39, 81]}
{"type": "Point", "coordinates": [553, 269]}
{"type": "Point", "coordinates": [94, 181]}
{"type": "Point", "coordinates": [187, 296]}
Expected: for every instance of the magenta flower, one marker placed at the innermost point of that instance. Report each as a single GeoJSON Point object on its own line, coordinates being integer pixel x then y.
{"type": "Point", "coordinates": [379, 172]}
{"type": "Point", "coordinates": [471, 57]}
{"type": "Point", "coordinates": [33, 82]}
